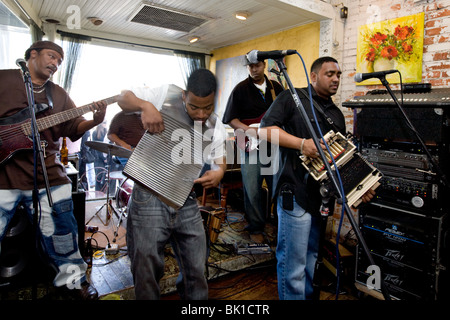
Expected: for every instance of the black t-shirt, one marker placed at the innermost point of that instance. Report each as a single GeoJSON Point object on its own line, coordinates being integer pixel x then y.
{"type": "Point", "coordinates": [285, 114]}
{"type": "Point", "coordinates": [246, 101]}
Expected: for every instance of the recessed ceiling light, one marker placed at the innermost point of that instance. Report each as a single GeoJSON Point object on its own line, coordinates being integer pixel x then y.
{"type": "Point", "coordinates": [241, 15]}
{"type": "Point", "coordinates": [52, 21]}
{"type": "Point", "coordinates": [194, 39]}
{"type": "Point", "coordinates": [95, 21]}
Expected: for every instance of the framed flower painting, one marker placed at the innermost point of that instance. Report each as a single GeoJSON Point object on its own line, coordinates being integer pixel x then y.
{"type": "Point", "coordinates": [395, 44]}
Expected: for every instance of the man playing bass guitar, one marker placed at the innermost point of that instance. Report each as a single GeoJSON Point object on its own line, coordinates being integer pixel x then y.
{"type": "Point", "coordinates": [57, 225]}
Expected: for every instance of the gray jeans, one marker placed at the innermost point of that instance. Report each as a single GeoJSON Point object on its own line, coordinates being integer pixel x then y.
{"type": "Point", "coordinates": [151, 225]}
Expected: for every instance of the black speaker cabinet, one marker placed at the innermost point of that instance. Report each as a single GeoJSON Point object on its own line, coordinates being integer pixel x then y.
{"type": "Point", "coordinates": [410, 249]}
{"type": "Point", "coordinates": [17, 255]}
{"type": "Point", "coordinates": [16, 248]}
{"type": "Point", "coordinates": [389, 123]}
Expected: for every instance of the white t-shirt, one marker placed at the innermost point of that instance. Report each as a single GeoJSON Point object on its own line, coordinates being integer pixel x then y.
{"type": "Point", "coordinates": [262, 86]}
{"type": "Point", "coordinates": [216, 132]}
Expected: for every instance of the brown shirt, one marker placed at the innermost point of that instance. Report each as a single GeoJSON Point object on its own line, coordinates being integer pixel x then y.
{"type": "Point", "coordinates": [18, 171]}
{"type": "Point", "coordinates": [128, 127]}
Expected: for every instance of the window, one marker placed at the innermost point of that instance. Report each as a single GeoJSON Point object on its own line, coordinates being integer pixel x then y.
{"type": "Point", "coordinates": [105, 71]}
{"type": "Point", "coordinates": [15, 38]}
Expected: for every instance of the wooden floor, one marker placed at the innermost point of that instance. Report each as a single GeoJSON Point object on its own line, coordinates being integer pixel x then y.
{"type": "Point", "coordinates": [111, 276]}
{"type": "Point", "coordinates": [230, 276]}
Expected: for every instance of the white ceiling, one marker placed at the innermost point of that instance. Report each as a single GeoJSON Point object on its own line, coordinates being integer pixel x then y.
{"type": "Point", "coordinates": [220, 28]}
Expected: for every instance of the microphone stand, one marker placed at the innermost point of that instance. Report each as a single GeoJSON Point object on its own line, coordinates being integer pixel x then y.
{"type": "Point", "coordinates": [325, 193]}
{"type": "Point", "coordinates": [439, 171]}
{"type": "Point", "coordinates": [331, 175]}
{"type": "Point", "coordinates": [278, 74]}
{"type": "Point", "coordinates": [37, 151]}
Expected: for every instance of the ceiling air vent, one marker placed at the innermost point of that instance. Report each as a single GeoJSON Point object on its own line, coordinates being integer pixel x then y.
{"type": "Point", "coordinates": [167, 18]}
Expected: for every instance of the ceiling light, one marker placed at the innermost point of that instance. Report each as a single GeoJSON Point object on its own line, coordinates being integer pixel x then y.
{"type": "Point", "coordinates": [241, 15]}
{"type": "Point", "coordinates": [194, 39]}
{"type": "Point", "coordinates": [52, 21]}
{"type": "Point", "coordinates": [95, 21]}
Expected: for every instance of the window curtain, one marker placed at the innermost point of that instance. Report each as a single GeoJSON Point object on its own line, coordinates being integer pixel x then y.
{"type": "Point", "coordinates": [189, 61]}
{"type": "Point", "coordinates": [73, 46]}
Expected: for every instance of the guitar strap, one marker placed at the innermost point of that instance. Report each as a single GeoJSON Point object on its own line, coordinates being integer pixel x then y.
{"type": "Point", "coordinates": [272, 91]}
{"type": "Point", "coordinates": [318, 108]}
{"type": "Point", "coordinates": [49, 94]}
{"type": "Point", "coordinates": [40, 107]}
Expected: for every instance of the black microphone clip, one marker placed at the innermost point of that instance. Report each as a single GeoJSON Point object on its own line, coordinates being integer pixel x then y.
{"type": "Point", "coordinates": [22, 64]}
{"type": "Point", "coordinates": [325, 193]}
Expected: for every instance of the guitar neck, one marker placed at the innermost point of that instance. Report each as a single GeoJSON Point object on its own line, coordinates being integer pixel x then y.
{"type": "Point", "coordinates": [61, 117]}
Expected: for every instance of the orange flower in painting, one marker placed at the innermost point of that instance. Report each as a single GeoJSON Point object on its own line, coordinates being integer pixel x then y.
{"type": "Point", "coordinates": [407, 47]}
{"type": "Point", "coordinates": [403, 33]}
{"type": "Point", "coordinates": [378, 38]}
{"type": "Point", "coordinates": [389, 52]}
{"type": "Point", "coordinates": [371, 55]}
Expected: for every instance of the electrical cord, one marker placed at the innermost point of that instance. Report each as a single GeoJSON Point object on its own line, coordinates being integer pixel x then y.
{"type": "Point", "coordinates": [107, 239]}
{"type": "Point", "coordinates": [341, 187]}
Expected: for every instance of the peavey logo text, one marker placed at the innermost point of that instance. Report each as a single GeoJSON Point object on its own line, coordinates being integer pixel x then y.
{"type": "Point", "coordinates": [394, 254]}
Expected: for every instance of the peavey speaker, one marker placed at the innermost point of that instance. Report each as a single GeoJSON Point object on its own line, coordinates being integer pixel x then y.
{"type": "Point", "coordinates": [376, 115]}
{"type": "Point", "coordinates": [389, 122]}
{"type": "Point", "coordinates": [16, 253]}
{"type": "Point", "coordinates": [410, 249]}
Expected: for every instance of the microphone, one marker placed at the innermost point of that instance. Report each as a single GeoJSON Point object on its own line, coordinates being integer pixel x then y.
{"type": "Point", "coordinates": [23, 65]}
{"type": "Point", "coordinates": [379, 74]}
{"type": "Point", "coordinates": [254, 56]}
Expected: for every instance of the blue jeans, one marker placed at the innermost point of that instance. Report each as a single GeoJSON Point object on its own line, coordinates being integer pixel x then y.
{"type": "Point", "coordinates": [151, 225]}
{"type": "Point", "coordinates": [57, 229]}
{"type": "Point", "coordinates": [297, 248]}
{"type": "Point", "coordinates": [123, 161]}
{"type": "Point", "coordinates": [252, 181]}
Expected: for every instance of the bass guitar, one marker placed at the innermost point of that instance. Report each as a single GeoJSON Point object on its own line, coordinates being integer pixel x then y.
{"type": "Point", "coordinates": [15, 132]}
{"type": "Point", "coordinates": [245, 142]}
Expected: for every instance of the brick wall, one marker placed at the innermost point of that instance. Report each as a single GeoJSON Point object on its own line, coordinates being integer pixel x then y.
{"type": "Point", "coordinates": [436, 51]}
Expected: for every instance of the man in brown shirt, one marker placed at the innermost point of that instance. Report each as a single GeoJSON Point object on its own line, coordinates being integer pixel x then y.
{"type": "Point", "coordinates": [125, 130]}
{"type": "Point", "coordinates": [57, 226]}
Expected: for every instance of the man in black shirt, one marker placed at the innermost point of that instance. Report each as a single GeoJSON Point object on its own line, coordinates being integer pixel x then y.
{"type": "Point", "coordinates": [246, 105]}
{"type": "Point", "coordinates": [298, 197]}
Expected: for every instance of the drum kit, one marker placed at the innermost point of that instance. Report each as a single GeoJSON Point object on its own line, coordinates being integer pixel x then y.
{"type": "Point", "coordinates": [123, 192]}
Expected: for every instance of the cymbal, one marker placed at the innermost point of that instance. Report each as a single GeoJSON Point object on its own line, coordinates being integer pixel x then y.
{"type": "Point", "coordinates": [108, 147]}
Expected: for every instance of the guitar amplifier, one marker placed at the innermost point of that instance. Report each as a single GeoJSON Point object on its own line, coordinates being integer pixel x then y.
{"type": "Point", "coordinates": [377, 116]}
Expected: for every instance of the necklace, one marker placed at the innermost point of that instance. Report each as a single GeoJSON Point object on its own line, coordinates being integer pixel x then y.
{"type": "Point", "coordinates": [39, 89]}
